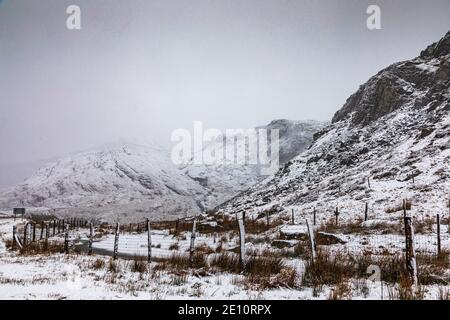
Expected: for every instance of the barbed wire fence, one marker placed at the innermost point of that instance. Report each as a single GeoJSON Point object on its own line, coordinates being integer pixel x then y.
{"type": "Point", "coordinates": [405, 234]}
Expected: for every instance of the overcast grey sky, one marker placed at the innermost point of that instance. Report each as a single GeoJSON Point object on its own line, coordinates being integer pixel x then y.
{"type": "Point", "coordinates": [147, 67]}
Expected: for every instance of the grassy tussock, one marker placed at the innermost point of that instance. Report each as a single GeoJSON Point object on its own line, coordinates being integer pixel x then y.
{"type": "Point", "coordinates": [139, 264]}
{"type": "Point", "coordinates": [227, 262]}
{"type": "Point", "coordinates": [179, 262]}
{"type": "Point", "coordinates": [424, 226]}
{"type": "Point", "coordinates": [433, 269]}
{"type": "Point", "coordinates": [98, 264]}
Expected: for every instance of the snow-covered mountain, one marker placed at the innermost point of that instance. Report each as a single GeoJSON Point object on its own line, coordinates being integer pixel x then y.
{"type": "Point", "coordinates": [131, 180]}
{"type": "Point", "coordinates": [226, 179]}
{"type": "Point", "coordinates": [121, 180]}
{"type": "Point", "coordinates": [390, 141]}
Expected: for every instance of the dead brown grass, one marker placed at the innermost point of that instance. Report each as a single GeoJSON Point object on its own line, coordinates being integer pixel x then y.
{"type": "Point", "coordinates": [42, 248]}
{"type": "Point", "coordinates": [432, 269]}
{"type": "Point", "coordinates": [328, 269]}
{"type": "Point", "coordinates": [424, 225]}
{"type": "Point", "coordinates": [139, 264]}
{"type": "Point", "coordinates": [98, 263]}
{"type": "Point", "coordinates": [226, 261]}
{"type": "Point", "coordinates": [179, 261]}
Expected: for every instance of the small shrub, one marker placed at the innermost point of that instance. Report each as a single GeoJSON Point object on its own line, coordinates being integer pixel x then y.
{"type": "Point", "coordinates": [98, 264]}
{"type": "Point", "coordinates": [263, 265]}
{"type": "Point", "coordinates": [424, 226]}
{"type": "Point", "coordinates": [226, 262]}
{"type": "Point", "coordinates": [205, 249]}
{"type": "Point", "coordinates": [180, 261]}
{"type": "Point", "coordinates": [301, 249]}
{"type": "Point", "coordinates": [139, 265]}
{"type": "Point", "coordinates": [327, 269]}
{"type": "Point", "coordinates": [112, 266]}
{"type": "Point", "coordinates": [432, 269]}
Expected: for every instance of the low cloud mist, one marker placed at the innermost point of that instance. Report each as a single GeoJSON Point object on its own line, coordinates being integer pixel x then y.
{"type": "Point", "coordinates": [144, 68]}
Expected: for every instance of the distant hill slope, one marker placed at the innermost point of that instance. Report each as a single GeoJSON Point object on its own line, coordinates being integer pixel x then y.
{"type": "Point", "coordinates": [120, 180]}
{"type": "Point", "coordinates": [226, 180]}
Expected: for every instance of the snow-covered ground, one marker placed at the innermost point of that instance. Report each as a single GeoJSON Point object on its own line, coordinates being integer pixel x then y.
{"type": "Point", "coordinates": [137, 244]}
{"type": "Point", "coordinates": [60, 276]}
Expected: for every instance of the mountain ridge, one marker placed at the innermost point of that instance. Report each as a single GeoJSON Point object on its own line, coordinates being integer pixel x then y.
{"type": "Point", "coordinates": [396, 127]}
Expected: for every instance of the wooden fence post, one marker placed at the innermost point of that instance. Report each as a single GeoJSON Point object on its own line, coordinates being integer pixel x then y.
{"type": "Point", "coordinates": [42, 231]}
{"type": "Point", "coordinates": [91, 237]}
{"type": "Point", "coordinates": [192, 247]}
{"type": "Point", "coordinates": [366, 212]}
{"type": "Point", "coordinates": [292, 216]}
{"type": "Point", "coordinates": [438, 226]}
{"type": "Point", "coordinates": [25, 235]}
{"type": "Point", "coordinates": [34, 232]}
{"type": "Point", "coordinates": [404, 208]}
{"type": "Point", "coordinates": [47, 234]}
{"type": "Point", "coordinates": [14, 237]}
{"type": "Point", "coordinates": [116, 242]}
{"type": "Point", "coordinates": [268, 219]}
{"type": "Point", "coordinates": [177, 225]}
{"type": "Point", "coordinates": [411, 264]}
{"type": "Point", "coordinates": [54, 227]}
{"type": "Point", "coordinates": [241, 242]}
{"type": "Point", "coordinates": [312, 242]}
{"type": "Point", "coordinates": [66, 241]}
{"type": "Point", "coordinates": [448, 224]}
{"type": "Point", "coordinates": [149, 242]}
{"type": "Point", "coordinates": [314, 216]}
{"type": "Point", "coordinates": [336, 213]}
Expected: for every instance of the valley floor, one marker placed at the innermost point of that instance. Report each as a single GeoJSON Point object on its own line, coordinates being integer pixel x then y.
{"type": "Point", "coordinates": [80, 276]}
{"type": "Point", "coordinates": [59, 276]}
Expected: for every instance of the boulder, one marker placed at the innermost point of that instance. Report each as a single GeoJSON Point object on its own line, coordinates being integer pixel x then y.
{"type": "Point", "coordinates": [281, 244]}
{"type": "Point", "coordinates": [326, 239]}
{"type": "Point", "coordinates": [294, 232]}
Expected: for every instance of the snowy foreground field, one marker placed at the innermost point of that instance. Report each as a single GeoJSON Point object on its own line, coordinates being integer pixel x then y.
{"type": "Point", "coordinates": [278, 265]}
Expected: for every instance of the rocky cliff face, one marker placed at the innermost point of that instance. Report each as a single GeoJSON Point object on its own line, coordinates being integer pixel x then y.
{"type": "Point", "coordinates": [389, 141]}
{"type": "Point", "coordinates": [399, 84]}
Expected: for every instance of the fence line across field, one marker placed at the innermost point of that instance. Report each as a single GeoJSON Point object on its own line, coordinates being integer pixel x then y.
{"type": "Point", "coordinates": [162, 239]}
{"type": "Point", "coordinates": [31, 232]}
